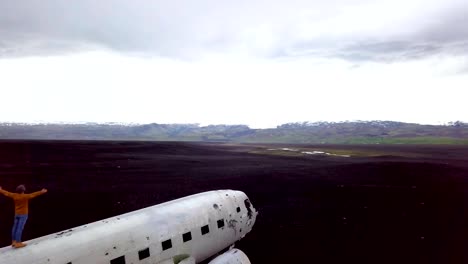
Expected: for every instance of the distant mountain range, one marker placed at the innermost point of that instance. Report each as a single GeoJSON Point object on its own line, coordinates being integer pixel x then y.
{"type": "Point", "coordinates": [356, 132]}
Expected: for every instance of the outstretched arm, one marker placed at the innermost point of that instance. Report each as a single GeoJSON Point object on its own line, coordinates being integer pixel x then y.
{"type": "Point", "coordinates": [35, 194]}
{"type": "Point", "coordinates": [7, 194]}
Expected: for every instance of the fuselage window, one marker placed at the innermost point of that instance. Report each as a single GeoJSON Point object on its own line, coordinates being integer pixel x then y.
{"type": "Point", "coordinates": [205, 230]}
{"type": "Point", "coordinates": [187, 236]}
{"type": "Point", "coordinates": [166, 244]}
{"type": "Point", "coordinates": [220, 223]}
{"type": "Point", "coordinates": [238, 209]}
{"type": "Point", "coordinates": [119, 260]}
{"type": "Point", "coordinates": [145, 253]}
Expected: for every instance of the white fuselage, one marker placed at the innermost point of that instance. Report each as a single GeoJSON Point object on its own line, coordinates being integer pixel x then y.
{"type": "Point", "coordinates": [196, 226]}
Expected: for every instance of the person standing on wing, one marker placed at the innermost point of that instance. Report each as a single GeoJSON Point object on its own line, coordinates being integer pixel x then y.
{"type": "Point", "coordinates": [21, 200]}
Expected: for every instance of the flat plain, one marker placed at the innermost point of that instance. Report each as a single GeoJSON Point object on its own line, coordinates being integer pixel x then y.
{"type": "Point", "coordinates": [316, 203]}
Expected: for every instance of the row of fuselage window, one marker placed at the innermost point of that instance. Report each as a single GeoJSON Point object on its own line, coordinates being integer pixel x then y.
{"type": "Point", "coordinates": [167, 244]}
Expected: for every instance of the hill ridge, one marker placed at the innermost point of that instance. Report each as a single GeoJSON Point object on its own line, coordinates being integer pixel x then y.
{"type": "Point", "coordinates": [346, 132]}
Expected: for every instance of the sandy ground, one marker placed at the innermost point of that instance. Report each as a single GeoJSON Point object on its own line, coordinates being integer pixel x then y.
{"type": "Point", "coordinates": [384, 204]}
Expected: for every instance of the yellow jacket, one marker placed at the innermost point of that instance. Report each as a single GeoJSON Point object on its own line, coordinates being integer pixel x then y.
{"type": "Point", "coordinates": [21, 200]}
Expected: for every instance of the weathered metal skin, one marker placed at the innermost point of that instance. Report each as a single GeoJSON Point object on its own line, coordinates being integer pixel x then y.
{"type": "Point", "coordinates": [233, 256]}
{"type": "Point", "coordinates": [228, 214]}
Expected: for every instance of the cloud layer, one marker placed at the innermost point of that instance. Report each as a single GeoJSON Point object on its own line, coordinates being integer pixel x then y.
{"type": "Point", "coordinates": [255, 62]}
{"type": "Point", "coordinates": [358, 31]}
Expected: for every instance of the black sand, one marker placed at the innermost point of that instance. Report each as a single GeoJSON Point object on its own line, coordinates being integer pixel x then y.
{"type": "Point", "coordinates": [409, 206]}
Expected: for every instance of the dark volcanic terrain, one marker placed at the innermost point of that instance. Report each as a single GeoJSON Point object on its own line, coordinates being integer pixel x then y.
{"type": "Point", "coordinates": [383, 204]}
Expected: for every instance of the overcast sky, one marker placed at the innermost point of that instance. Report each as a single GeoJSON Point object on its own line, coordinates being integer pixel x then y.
{"type": "Point", "coordinates": [254, 62]}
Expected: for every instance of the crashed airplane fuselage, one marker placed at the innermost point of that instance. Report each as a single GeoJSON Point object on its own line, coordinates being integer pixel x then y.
{"type": "Point", "coordinates": [186, 230]}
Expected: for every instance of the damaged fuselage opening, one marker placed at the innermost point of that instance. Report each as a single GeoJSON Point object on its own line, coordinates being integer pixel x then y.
{"type": "Point", "coordinates": [248, 205]}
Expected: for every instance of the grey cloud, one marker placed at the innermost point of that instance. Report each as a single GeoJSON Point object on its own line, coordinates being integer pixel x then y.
{"type": "Point", "coordinates": [446, 34]}
{"type": "Point", "coordinates": [392, 50]}
{"type": "Point", "coordinates": [46, 26]}
{"type": "Point", "coordinates": [190, 28]}
{"type": "Point", "coordinates": [388, 51]}
{"type": "Point", "coordinates": [451, 27]}
{"type": "Point", "coordinates": [167, 28]}
{"type": "Point", "coordinates": [368, 50]}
